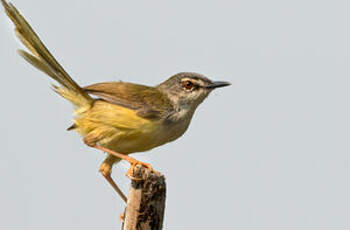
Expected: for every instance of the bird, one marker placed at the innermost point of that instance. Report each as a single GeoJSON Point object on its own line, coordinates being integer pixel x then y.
{"type": "Point", "coordinates": [119, 118]}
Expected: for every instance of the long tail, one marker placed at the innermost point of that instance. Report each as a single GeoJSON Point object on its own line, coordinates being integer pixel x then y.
{"type": "Point", "coordinates": [41, 58]}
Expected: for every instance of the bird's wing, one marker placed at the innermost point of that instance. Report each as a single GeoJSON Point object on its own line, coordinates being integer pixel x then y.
{"type": "Point", "coordinates": [147, 101]}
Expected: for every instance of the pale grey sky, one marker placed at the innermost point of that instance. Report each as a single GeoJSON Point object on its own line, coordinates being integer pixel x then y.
{"type": "Point", "coordinates": [269, 152]}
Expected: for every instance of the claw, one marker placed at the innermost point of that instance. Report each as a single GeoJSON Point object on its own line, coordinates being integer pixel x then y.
{"type": "Point", "coordinates": [130, 172]}
{"type": "Point", "coordinates": [122, 217]}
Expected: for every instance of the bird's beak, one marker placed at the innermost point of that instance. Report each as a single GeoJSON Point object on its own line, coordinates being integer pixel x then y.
{"type": "Point", "coordinates": [217, 84]}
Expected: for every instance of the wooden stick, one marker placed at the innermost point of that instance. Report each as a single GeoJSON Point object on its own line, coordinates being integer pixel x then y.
{"type": "Point", "coordinates": [146, 202]}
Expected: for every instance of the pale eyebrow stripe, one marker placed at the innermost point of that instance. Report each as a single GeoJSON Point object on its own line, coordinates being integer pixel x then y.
{"type": "Point", "coordinates": [198, 82]}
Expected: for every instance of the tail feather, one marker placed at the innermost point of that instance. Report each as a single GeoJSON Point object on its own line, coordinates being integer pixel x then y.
{"type": "Point", "coordinates": [42, 59]}
{"type": "Point", "coordinates": [36, 62]}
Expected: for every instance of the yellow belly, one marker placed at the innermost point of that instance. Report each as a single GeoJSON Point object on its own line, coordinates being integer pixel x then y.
{"type": "Point", "coordinates": [121, 129]}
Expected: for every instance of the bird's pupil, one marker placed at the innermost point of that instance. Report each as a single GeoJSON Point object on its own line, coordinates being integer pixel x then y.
{"type": "Point", "coordinates": [188, 84]}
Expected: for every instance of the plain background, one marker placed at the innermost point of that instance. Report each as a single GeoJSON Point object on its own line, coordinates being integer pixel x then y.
{"type": "Point", "coordinates": [269, 152]}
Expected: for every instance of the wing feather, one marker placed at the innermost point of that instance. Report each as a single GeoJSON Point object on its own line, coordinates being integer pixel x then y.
{"type": "Point", "coordinates": [149, 102]}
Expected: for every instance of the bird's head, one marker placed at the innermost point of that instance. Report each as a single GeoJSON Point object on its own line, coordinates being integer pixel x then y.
{"type": "Point", "coordinates": [188, 90]}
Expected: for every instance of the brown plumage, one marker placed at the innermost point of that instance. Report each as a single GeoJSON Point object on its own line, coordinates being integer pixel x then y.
{"type": "Point", "coordinates": [149, 102]}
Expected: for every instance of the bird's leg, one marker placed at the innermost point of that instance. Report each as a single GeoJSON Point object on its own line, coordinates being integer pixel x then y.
{"type": "Point", "coordinates": [131, 160]}
{"type": "Point", "coordinates": [106, 170]}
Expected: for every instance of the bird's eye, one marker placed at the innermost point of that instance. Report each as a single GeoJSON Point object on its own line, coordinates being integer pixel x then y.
{"type": "Point", "coordinates": [187, 85]}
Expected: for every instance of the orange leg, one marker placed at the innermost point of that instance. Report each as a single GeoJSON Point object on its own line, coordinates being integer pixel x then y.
{"type": "Point", "coordinates": [131, 160]}
{"type": "Point", "coordinates": [106, 170]}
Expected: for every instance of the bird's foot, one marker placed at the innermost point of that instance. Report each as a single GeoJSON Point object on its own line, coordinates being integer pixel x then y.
{"type": "Point", "coordinates": [131, 160]}
{"type": "Point", "coordinates": [135, 162]}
